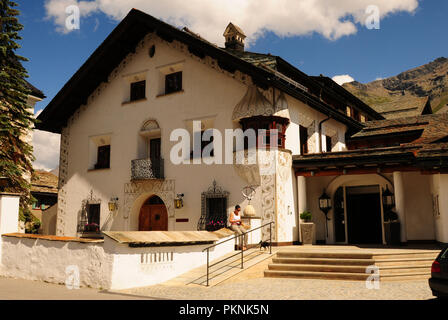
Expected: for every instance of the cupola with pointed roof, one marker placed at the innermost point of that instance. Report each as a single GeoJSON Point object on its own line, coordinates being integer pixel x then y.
{"type": "Point", "coordinates": [234, 37]}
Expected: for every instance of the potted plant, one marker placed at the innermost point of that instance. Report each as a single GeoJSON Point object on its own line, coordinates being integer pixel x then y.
{"type": "Point", "coordinates": [306, 216]}
{"type": "Point", "coordinates": [307, 229]}
{"type": "Point", "coordinates": [392, 230]}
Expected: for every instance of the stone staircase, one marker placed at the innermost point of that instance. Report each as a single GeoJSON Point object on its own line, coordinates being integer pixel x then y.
{"type": "Point", "coordinates": [393, 265]}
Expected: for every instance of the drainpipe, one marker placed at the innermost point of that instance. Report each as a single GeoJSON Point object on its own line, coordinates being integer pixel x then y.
{"type": "Point", "coordinates": [320, 133]}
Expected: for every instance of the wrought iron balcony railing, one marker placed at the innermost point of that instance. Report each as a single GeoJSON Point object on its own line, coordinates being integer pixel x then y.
{"type": "Point", "coordinates": [146, 169]}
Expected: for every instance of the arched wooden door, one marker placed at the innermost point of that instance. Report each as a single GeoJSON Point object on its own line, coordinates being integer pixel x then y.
{"type": "Point", "coordinates": [153, 215]}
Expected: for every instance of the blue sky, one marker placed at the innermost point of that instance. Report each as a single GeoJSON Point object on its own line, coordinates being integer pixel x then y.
{"type": "Point", "coordinates": [404, 41]}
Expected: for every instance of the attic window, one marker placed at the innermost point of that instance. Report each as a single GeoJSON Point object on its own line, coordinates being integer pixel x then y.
{"type": "Point", "coordinates": [173, 82]}
{"type": "Point", "coordinates": [138, 90]}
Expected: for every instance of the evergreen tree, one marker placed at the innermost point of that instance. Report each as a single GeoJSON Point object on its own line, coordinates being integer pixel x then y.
{"type": "Point", "coordinates": [16, 119]}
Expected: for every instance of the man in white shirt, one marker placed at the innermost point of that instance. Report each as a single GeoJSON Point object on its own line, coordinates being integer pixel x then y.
{"type": "Point", "coordinates": [237, 226]}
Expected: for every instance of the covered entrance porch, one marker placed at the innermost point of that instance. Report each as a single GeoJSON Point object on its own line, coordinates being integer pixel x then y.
{"type": "Point", "coordinates": [356, 183]}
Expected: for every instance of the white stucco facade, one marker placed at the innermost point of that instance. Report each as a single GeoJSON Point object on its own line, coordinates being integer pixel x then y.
{"type": "Point", "coordinates": [209, 94]}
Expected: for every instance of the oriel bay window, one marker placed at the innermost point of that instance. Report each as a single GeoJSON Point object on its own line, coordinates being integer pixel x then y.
{"type": "Point", "coordinates": [263, 126]}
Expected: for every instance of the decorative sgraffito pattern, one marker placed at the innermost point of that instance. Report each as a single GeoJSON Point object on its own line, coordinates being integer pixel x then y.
{"type": "Point", "coordinates": [268, 205]}
{"type": "Point", "coordinates": [209, 61]}
{"type": "Point", "coordinates": [282, 176]}
{"type": "Point", "coordinates": [165, 189]}
{"type": "Point", "coordinates": [249, 171]}
{"type": "Point", "coordinates": [255, 103]}
{"type": "Point", "coordinates": [267, 162]}
{"type": "Point", "coordinates": [63, 176]}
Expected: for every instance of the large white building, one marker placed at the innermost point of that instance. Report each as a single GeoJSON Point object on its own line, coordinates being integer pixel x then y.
{"type": "Point", "coordinates": [147, 79]}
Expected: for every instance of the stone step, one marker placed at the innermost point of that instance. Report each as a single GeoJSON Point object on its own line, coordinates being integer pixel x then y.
{"type": "Point", "coordinates": [404, 262]}
{"type": "Point", "coordinates": [406, 277]}
{"type": "Point", "coordinates": [347, 269]}
{"type": "Point", "coordinates": [404, 270]}
{"type": "Point", "coordinates": [392, 256]}
{"type": "Point", "coordinates": [317, 268]}
{"type": "Point", "coordinates": [334, 255]}
{"type": "Point", "coordinates": [344, 275]}
{"type": "Point", "coordinates": [315, 275]}
{"type": "Point", "coordinates": [325, 261]}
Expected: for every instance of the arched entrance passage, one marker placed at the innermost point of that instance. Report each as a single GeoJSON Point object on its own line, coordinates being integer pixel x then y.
{"type": "Point", "coordinates": [153, 215]}
{"type": "Point", "coordinates": [357, 212]}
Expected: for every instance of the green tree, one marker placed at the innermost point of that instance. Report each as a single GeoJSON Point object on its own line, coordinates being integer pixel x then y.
{"type": "Point", "coordinates": [16, 119]}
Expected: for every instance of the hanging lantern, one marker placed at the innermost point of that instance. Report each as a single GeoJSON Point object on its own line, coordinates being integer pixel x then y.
{"type": "Point", "coordinates": [388, 199]}
{"type": "Point", "coordinates": [325, 203]}
{"type": "Point", "coordinates": [325, 207]}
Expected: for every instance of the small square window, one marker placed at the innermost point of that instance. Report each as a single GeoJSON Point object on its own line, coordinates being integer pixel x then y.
{"type": "Point", "coordinates": [103, 161]}
{"type": "Point", "coordinates": [173, 82]}
{"type": "Point", "coordinates": [138, 90]}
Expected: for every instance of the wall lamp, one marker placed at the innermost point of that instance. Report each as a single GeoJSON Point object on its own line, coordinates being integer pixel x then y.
{"type": "Point", "coordinates": [179, 201]}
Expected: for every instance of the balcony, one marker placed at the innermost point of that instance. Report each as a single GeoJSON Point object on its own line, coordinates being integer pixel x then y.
{"type": "Point", "coordinates": [147, 169]}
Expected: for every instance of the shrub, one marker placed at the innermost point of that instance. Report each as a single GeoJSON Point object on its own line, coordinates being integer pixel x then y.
{"type": "Point", "coordinates": [306, 215]}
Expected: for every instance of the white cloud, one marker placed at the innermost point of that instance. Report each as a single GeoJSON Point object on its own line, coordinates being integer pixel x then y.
{"type": "Point", "coordinates": [46, 149]}
{"type": "Point", "coordinates": [343, 78]}
{"type": "Point", "coordinates": [330, 18]}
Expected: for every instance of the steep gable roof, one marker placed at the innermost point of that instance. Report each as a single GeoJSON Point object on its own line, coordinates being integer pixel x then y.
{"type": "Point", "coordinates": [123, 40]}
{"type": "Point", "coordinates": [34, 91]}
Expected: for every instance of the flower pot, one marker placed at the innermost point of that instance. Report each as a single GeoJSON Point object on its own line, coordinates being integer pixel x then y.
{"type": "Point", "coordinates": [308, 232]}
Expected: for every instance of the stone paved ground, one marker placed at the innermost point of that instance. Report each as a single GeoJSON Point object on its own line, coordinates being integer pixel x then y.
{"type": "Point", "coordinates": [291, 289]}
{"type": "Point", "coordinates": [251, 285]}
{"type": "Point", "coordinates": [15, 289]}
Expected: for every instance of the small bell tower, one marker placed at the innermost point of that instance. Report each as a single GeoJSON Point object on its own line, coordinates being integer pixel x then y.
{"type": "Point", "coordinates": [234, 37]}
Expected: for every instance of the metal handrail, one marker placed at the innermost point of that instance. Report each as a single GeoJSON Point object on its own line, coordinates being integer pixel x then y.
{"type": "Point", "coordinates": [242, 251]}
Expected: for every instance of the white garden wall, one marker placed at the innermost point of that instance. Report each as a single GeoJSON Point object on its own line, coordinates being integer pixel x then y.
{"type": "Point", "coordinates": [105, 265]}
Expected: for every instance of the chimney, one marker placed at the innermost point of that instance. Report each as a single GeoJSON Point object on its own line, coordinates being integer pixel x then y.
{"type": "Point", "coordinates": [234, 37]}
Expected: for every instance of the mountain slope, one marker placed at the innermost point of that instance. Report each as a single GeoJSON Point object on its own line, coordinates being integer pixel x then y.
{"type": "Point", "coordinates": [408, 90]}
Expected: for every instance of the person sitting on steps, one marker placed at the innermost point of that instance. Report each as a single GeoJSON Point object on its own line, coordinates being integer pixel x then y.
{"type": "Point", "coordinates": [237, 226]}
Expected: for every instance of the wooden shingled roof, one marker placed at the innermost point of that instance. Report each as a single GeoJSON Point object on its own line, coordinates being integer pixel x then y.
{"type": "Point", "coordinates": [428, 151]}
{"type": "Point", "coordinates": [44, 182]}
{"type": "Point", "coordinates": [405, 107]}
